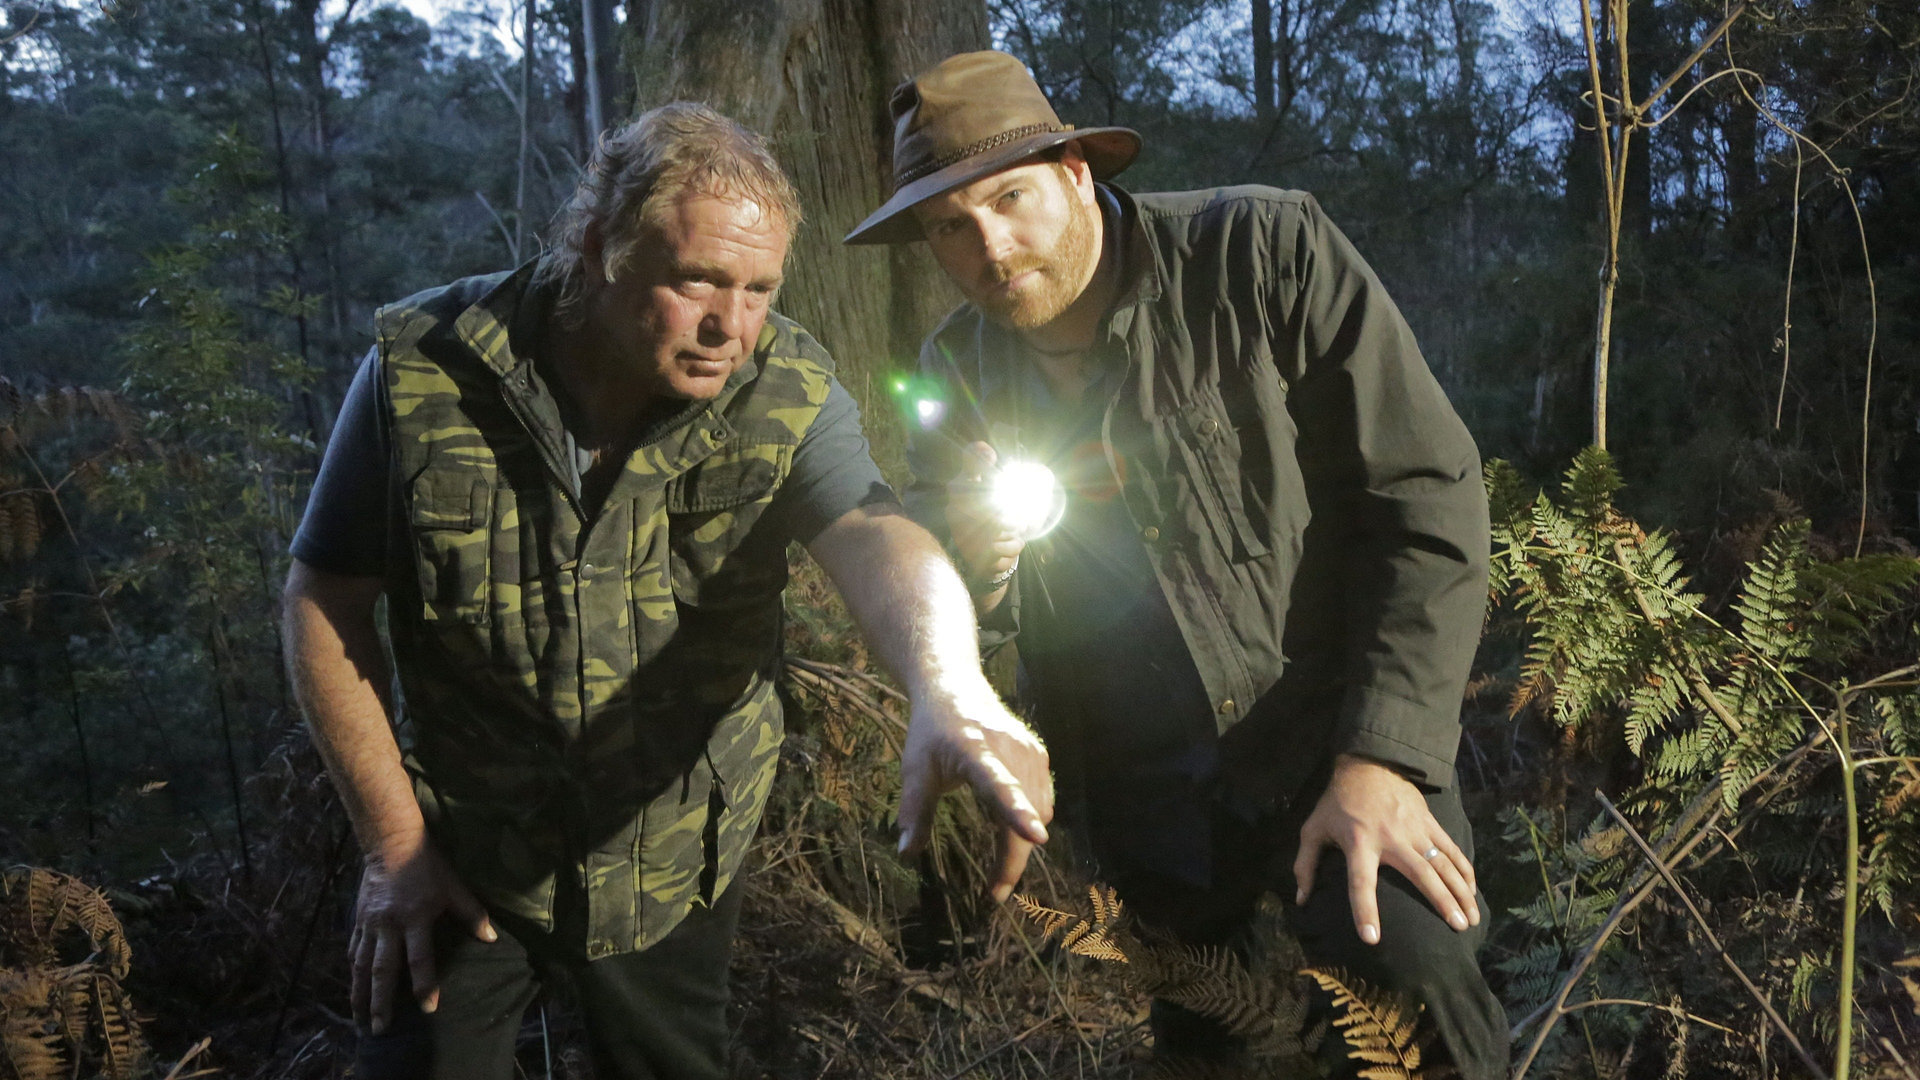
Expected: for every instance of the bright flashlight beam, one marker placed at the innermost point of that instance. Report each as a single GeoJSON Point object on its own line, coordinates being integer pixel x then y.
{"type": "Point", "coordinates": [929, 411]}
{"type": "Point", "coordinates": [1027, 498]}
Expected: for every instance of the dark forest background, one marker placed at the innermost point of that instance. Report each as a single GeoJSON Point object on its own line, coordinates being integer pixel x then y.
{"type": "Point", "coordinates": [202, 203]}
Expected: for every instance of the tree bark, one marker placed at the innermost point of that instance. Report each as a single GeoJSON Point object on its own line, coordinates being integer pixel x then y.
{"type": "Point", "coordinates": [1739, 126]}
{"type": "Point", "coordinates": [815, 76]}
{"type": "Point", "coordinates": [1262, 59]}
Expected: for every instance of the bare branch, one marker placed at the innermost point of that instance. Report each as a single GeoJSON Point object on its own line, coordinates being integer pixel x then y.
{"type": "Point", "coordinates": [1642, 108]}
{"type": "Point", "coordinates": [506, 234]}
{"type": "Point", "coordinates": [1706, 929]}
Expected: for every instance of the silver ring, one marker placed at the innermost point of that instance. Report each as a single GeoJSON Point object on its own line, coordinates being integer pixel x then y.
{"type": "Point", "coordinates": [1431, 853]}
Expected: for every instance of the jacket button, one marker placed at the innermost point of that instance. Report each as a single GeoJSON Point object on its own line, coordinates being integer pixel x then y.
{"type": "Point", "coordinates": [1209, 426]}
{"type": "Point", "coordinates": [1227, 707]}
{"type": "Point", "coordinates": [1150, 534]}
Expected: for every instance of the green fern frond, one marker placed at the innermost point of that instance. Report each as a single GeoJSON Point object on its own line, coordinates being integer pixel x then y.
{"type": "Point", "coordinates": [1591, 483]}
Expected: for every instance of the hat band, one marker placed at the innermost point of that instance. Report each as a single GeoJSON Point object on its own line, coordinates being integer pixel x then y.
{"type": "Point", "coordinates": [925, 168]}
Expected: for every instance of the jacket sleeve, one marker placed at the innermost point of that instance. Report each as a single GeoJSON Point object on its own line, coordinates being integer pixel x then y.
{"type": "Point", "coordinates": [933, 456]}
{"type": "Point", "coordinates": [1393, 479]}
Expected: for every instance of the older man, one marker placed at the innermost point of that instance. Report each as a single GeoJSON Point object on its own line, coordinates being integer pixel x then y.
{"type": "Point", "coordinates": [575, 484]}
{"type": "Point", "coordinates": [1246, 640]}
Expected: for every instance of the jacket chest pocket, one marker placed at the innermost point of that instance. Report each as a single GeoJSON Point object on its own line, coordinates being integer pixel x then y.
{"type": "Point", "coordinates": [451, 515]}
{"type": "Point", "coordinates": [711, 509]}
{"type": "Point", "coordinates": [1208, 448]}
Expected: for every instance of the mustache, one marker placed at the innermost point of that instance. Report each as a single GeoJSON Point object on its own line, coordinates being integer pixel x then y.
{"type": "Point", "coordinates": [1001, 273]}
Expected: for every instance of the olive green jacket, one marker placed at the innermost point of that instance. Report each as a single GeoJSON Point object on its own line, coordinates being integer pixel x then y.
{"type": "Point", "coordinates": [1311, 505]}
{"type": "Point", "coordinates": [590, 696]}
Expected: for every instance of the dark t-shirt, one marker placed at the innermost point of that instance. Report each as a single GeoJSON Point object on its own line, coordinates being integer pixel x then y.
{"type": "Point", "coordinates": [346, 525]}
{"type": "Point", "coordinates": [1137, 756]}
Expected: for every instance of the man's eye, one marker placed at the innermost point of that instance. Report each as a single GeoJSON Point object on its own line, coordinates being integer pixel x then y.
{"type": "Point", "coordinates": [1011, 197]}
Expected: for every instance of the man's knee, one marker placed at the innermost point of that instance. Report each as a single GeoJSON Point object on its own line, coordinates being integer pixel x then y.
{"type": "Point", "coordinates": [1419, 958]}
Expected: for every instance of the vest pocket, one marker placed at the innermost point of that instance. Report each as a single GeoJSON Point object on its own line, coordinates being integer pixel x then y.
{"type": "Point", "coordinates": [451, 515]}
{"type": "Point", "coordinates": [711, 509]}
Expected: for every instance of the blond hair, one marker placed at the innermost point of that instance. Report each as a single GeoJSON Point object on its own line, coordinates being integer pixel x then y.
{"type": "Point", "coordinates": [643, 168]}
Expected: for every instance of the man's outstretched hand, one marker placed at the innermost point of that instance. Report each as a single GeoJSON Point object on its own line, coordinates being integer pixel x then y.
{"type": "Point", "coordinates": [1376, 816]}
{"type": "Point", "coordinates": [401, 896]}
{"type": "Point", "coordinates": [977, 742]}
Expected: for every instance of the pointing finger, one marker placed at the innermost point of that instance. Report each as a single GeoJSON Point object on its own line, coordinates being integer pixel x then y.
{"type": "Point", "coordinates": [1014, 850]}
{"type": "Point", "coordinates": [996, 785]}
{"type": "Point", "coordinates": [917, 798]}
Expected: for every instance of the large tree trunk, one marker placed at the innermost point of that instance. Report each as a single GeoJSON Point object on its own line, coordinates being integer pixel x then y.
{"type": "Point", "coordinates": [1262, 27]}
{"type": "Point", "coordinates": [815, 75]}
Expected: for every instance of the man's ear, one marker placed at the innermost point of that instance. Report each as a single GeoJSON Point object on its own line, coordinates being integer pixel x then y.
{"type": "Point", "coordinates": [1075, 162]}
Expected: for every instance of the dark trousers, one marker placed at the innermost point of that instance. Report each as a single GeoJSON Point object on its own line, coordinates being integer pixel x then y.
{"type": "Point", "coordinates": [1419, 956]}
{"type": "Point", "coordinates": [660, 1014]}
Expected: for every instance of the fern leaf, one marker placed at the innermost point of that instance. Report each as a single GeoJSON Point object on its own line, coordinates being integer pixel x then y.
{"type": "Point", "coordinates": [1380, 1028]}
{"type": "Point", "coordinates": [1050, 919]}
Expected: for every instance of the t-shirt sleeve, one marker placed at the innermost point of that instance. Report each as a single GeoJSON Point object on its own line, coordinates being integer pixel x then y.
{"type": "Point", "coordinates": [833, 471]}
{"type": "Point", "coordinates": [344, 529]}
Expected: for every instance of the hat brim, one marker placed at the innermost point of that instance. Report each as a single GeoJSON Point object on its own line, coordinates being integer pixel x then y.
{"type": "Point", "coordinates": [1109, 150]}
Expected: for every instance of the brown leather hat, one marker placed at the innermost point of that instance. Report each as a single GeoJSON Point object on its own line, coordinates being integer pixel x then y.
{"type": "Point", "coordinates": [972, 115]}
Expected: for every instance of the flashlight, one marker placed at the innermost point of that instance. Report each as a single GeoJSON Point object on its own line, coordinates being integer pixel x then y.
{"type": "Point", "coordinates": [1026, 497]}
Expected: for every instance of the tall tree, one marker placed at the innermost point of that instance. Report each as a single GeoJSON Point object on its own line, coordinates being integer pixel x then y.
{"type": "Point", "coordinates": [816, 76]}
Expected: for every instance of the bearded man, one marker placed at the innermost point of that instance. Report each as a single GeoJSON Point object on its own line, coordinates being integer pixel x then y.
{"type": "Point", "coordinates": [1246, 641]}
{"type": "Point", "coordinates": [575, 485]}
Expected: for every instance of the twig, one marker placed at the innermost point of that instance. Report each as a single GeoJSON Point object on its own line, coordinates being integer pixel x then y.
{"type": "Point", "coordinates": [832, 670]}
{"type": "Point", "coordinates": [1706, 43]}
{"type": "Point", "coordinates": [1015, 1041]}
{"type": "Point", "coordinates": [1706, 929]}
{"type": "Point", "coordinates": [187, 1059]}
{"type": "Point", "coordinates": [16, 35]}
{"type": "Point", "coordinates": [1674, 1010]}
{"type": "Point", "coordinates": [1899, 1058]}
{"type": "Point", "coordinates": [1688, 832]}
{"type": "Point", "coordinates": [513, 247]}
{"type": "Point", "coordinates": [853, 694]}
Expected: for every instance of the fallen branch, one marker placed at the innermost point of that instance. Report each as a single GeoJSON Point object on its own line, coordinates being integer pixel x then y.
{"type": "Point", "coordinates": [1766, 1006]}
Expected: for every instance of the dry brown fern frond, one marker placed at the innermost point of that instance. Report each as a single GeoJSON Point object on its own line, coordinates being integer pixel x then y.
{"type": "Point", "coordinates": [21, 526]}
{"type": "Point", "coordinates": [1214, 983]}
{"type": "Point", "coordinates": [23, 416]}
{"type": "Point", "coordinates": [1092, 935]}
{"type": "Point", "coordinates": [1911, 983]}
{"type": "Point", "coordinates": [37, 905]}
{"type": "Point", "coordinates": [1533, 686]}
{"type": "Point", "coordinates": [1380, 1028]}
{"type": "Point", "coordinates": [116, 1041]}
{"type": "Point", "coordinates": [31, 1045]}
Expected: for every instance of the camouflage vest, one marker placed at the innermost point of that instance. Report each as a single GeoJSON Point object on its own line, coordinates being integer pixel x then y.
{"type": "Point", "coordinates": [591, 701]}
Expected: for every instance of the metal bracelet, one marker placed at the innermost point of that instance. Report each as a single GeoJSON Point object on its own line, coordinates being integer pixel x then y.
{"type": "Point", "coordinates": [994, 583]}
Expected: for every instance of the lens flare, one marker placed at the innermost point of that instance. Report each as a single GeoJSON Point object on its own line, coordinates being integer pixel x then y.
{"type": "Point", "coordinates": [929, 411]}
{"type": "Point", "coordinates": [1027, 498]}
